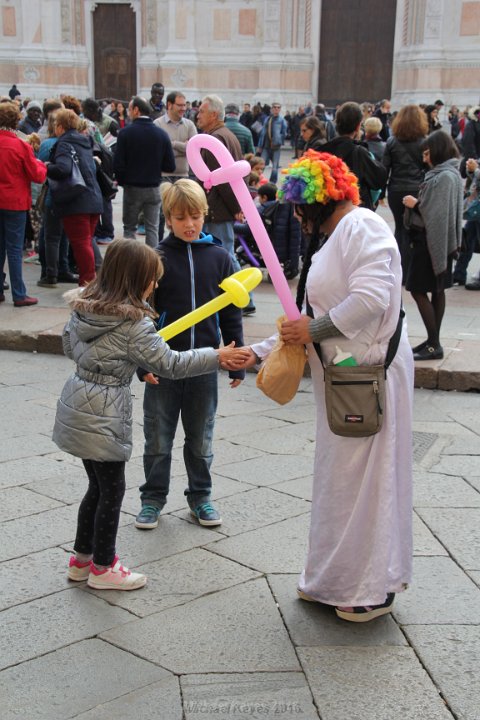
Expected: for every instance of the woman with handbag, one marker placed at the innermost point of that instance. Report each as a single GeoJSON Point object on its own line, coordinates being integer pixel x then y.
{"type": "Point", "coordinates": [75, 191]}
{"type": "Point", "coordinates": [402, 158]}
{"type": "Point", "coordinates": [360, 543]}
{"type": "Point", "coordinates": [432, 249]}
{"type": "Point", "coordinates": [53, 243]}
{"type": "Point", "coordinates": [19, 168]}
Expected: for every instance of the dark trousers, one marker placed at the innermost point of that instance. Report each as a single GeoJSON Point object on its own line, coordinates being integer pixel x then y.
{"type": "Point", "coordinates": [53, 245]}
{"type": "Point", "coordinates": [471, 239]}
{"type": "Point", "coordinates": [105, 227]}
{"type": "Point", "coordinates": [99, 512]}
{"type": "Point", "coordinates": [395, 202]}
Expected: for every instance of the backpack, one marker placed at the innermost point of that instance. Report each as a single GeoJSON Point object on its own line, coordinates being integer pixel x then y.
{"type": "Point", "coordinates": [106, 158]}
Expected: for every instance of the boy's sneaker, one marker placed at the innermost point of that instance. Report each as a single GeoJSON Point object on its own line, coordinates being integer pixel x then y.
{"type": "Point", "coordinates": [116, 577]}
{"type": "Point", "coordinates": [147, 518]}
{"type": "Point", "coordinates": [78, 571]}
{"type": "Point", "coordinates": [206, 514]}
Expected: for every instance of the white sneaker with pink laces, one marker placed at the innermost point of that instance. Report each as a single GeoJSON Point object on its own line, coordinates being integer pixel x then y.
{"type": "Point", "coordinates": [116, 577]}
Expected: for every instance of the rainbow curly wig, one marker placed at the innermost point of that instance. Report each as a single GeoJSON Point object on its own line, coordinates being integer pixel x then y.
{"type": "Point", "coordinates": [319, 177]}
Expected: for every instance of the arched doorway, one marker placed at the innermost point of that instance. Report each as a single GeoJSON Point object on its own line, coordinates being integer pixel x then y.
{"type": "Point", "coordinates": [356, 50]}
{"type": "Point", "coordinates": [114, 51]}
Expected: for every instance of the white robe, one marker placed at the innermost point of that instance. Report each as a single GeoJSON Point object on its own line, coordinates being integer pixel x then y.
{"type": "Point", "coordinates": [360, 542]}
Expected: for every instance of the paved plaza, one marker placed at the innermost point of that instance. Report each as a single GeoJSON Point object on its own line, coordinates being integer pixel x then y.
{"type": "Point", "coordinates": [219, 631]}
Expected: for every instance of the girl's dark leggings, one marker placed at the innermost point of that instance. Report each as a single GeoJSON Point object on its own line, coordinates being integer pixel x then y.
{"type": "Point", "coordinates": [99, 512]}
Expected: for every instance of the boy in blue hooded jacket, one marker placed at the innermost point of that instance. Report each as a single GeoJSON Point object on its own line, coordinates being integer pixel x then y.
{"type": "Point", "coordinates": [195, 264]}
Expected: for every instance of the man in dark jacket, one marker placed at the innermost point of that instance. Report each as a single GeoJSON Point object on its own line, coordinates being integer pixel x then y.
{"type": "Point", "coordinates": [242, 133]}
{"type": "Point", "coordinates": [471, 135]}
{"type": "Point", "coordinates": [143, 152]}
{"type": "Point", "coordinates": [246, 118]}
{"type": "Point", "coordinates": [223, 206]}
{"type": "Point", "coordinates": [13, 92]}
{"type": "Point", "coordinates": [156, 104]}
{"type": "Point", "coordinates": [33, 121]}
{"type": "Point", "coordinates": [370, 172]}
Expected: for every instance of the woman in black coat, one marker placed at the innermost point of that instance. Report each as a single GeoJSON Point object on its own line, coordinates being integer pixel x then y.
{"type": "Point", "coordinates": [403, 160]}
{"type": "Point", "coordinates": [80, 214]}
{"type": "Point", "coordinates": [313, 133]}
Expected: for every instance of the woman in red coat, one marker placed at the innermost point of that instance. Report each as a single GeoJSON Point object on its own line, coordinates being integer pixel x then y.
{"type": "Point", "coordinates": [18, 169]}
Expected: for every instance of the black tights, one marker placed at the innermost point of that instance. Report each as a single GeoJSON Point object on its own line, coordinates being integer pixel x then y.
{"type": "Point", "coordinates": [99, 512]}
{"type": "Point", "coordinates": [432, 312]}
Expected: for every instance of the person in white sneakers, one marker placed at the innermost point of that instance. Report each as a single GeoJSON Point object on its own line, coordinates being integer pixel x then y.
{"type": "Point", "coordinates": [109, 334]}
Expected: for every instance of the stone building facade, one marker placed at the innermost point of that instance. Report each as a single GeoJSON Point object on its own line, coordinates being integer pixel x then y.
{"type": "Point", "coordinates": [437, 52]}
{"type": "Point", "coordinates": [246, 50]}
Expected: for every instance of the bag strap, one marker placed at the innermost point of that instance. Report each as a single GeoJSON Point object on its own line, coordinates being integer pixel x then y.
{"type": "Point", "coordinates": [392, 344]}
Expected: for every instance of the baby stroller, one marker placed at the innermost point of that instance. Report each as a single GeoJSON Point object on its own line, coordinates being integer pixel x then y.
{"type": "Point", "coordinates": [282, 231]}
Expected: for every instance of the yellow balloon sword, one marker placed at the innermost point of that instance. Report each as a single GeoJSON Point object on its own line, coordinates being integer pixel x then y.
{"type": "Point", "coordinates": [236, 288]}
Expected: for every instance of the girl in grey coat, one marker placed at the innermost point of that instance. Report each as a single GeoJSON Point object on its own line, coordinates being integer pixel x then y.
{"type": "Point", "coordinates": [109, 334]}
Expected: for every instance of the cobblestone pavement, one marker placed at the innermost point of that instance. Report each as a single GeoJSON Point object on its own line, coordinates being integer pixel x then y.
{"type": "Point", "coordinates": [218, 631]}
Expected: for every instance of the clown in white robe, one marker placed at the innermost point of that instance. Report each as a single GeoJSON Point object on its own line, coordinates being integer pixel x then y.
{"type": "Point", "coordinates": [360, 542]}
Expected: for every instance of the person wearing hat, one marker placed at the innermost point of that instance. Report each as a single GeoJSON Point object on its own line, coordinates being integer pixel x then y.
{"type": "Point", "coordinates": [157, 106]}
{"type": "Point", "coordinates": [33, 120]}
{"type": "Point", "coordinates": [242, 133]}
{"type": "Point", "coordinates": [360, 546]}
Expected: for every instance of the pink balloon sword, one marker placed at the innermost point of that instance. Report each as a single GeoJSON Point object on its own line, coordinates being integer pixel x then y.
{"type": "Point", "coordinates": [233, 172]}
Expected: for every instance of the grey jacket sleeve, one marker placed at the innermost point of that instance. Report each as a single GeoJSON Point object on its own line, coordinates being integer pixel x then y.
{"type": "Point", "coordinates": [67, 346]}
{"type": "Point", "coordinates": [147, 349]}
{"type": "Point", "coordinates": [322, 327]}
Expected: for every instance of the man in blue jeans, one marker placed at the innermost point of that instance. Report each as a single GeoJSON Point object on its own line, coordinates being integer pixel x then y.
{"type": "Point", "coordinates": [271, 139]}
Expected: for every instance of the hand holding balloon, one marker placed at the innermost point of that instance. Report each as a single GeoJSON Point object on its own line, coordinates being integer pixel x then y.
{"type": "Point", "coordinates": [233, 173]}
{"type": "Point", "coordinates": [236, 289]}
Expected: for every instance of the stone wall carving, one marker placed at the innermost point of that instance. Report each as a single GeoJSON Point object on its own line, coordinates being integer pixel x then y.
{"type": "Point", "coordinates": [151, 22]}
{"type": "Point", "coordinates": [272, 21]}
{"type": "Point", "coordinates": [66, 21]}
{"type": "Point", "coordinates": [31, 74]}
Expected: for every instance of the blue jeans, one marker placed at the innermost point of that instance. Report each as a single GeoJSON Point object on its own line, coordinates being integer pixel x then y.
{"type": "Point", "coordinates": [12, 234]}
{"type": "Point", "coordinates": [272, 156]}
{"type": "Point", "coordinates": [195, 401]}
{"type": "Point", "coordinates": [136, 199]}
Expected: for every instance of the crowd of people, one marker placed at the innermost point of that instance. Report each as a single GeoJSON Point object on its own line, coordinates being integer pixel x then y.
{"type": "Point", "coordinates": [322, 222]}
